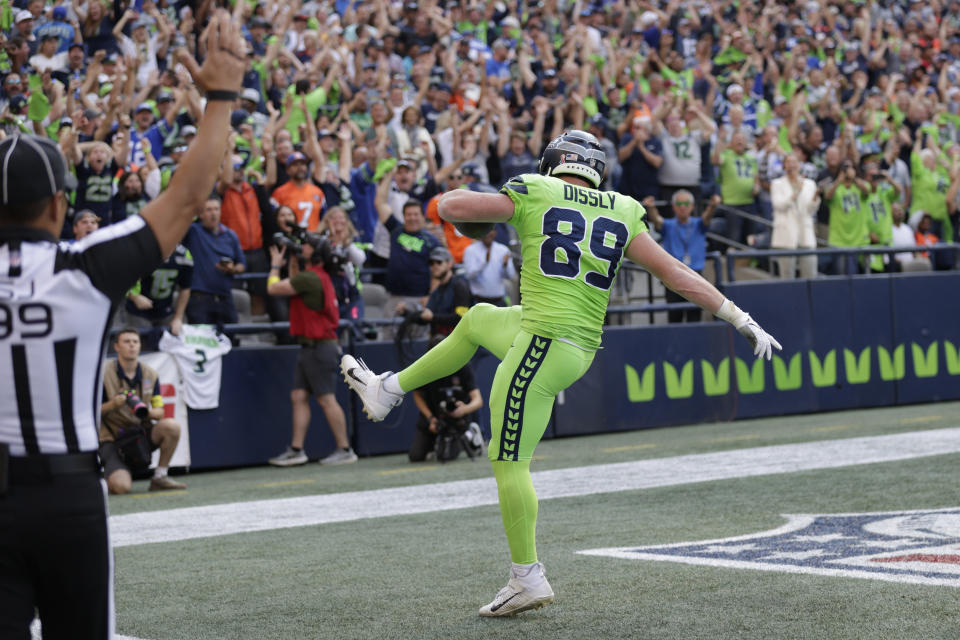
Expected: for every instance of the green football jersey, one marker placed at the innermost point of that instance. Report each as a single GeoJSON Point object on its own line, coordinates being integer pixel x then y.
{"type": "Point", "coordinates": [930, 192]}
{"type": "Point", "coordinates": [737, 176]}
{"type": "Point", "coordinates": [879, 206]}
{"type": "Point", "coordinates": [573, 239]}
{"type": "Point", "coordinates": [848, 222]}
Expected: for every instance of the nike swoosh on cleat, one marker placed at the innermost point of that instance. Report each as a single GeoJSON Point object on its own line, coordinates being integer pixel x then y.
{"type": "Point", "coordinates": [500, 605]}
{"type": "Point", "coordinates": [350, 372]}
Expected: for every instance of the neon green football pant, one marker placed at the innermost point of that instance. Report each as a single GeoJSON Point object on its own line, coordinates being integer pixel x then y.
{"type": "Point", "coordinates": [532, 371]}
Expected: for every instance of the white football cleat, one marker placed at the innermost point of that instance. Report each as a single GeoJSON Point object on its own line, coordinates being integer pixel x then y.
{"type": "Point", "coordinates": [377, 401]}
{"type": "Point", "coordinates": [521, 594]}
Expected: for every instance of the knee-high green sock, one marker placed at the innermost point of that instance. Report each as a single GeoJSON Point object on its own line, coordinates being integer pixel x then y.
{"type": "Point", "coordinates": [518, 508]}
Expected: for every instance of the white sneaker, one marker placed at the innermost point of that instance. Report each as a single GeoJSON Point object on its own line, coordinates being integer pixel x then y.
{"type": "Point", "coordinates": [289, 458]}
{"type": "Point", "coordinates": [475, 435]}
{"type": "Point", "coordinates": [475, 445]}
{"type": "Point", "coordinates": [521, 594]}
{"type": "Point", "coordinates": [377, 401]}
{"type": "Point", "coordinates": [340, 456]}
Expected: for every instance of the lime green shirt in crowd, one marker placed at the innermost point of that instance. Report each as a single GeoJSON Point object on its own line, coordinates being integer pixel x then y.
{"type": "Point", "coordinates": [783, 137]}
{"type": "Point", "coordinates": [786, 87]}
{"type": "Point", "coordinates": [573, 240]}
{"type": "Point", "coordinates": [848, 219]}
{"type": "Point", "coordinates": [879, 208]}
{"type": "Point", "coordinates": [764, 113]}
{"type": "Point", "coordinates": [930, 192]}
{"type": "Point", "coordinates": [682, 80]}
{"type": "Point", "coordinates": [737, 176]}
{"type": "Point", "coordinates": [315, 99]}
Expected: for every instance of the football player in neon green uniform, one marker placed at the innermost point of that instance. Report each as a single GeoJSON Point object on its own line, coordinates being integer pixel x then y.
{"type": "Point", "coordinates": [573, 238]}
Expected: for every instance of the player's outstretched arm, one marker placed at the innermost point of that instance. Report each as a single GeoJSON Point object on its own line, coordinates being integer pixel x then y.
{"type": "Point", "coordinates": [170, 214]}
{"type": "Point", "coordinates": [689, 284]}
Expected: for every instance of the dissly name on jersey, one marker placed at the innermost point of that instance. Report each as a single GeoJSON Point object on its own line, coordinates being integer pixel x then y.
{"type": "Point", "coordinates": [589, 197]}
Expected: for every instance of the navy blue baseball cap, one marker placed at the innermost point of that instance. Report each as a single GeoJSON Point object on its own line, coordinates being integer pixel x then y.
{"type": "Point", "coordinates": [471, 170]}
{"type": "Point", "coordinates": [440, 253]}
{"type": "Point", "coordinates": [238, 117]}
{"type": "Point", "coordinates": [296, 156]}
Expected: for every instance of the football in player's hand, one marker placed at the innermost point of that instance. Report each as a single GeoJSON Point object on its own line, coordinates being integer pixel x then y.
{"type": "Point", "coordinates": [475, 230]}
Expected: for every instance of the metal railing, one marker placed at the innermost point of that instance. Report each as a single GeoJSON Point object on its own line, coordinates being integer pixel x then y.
{"type": "Point", "coordinates": [624, 278]}
{"type": "Point", "coordinates": [356, 329]}
{"type": "Point", "coordinates": [732, 256]}
{"type": "Point", "coordinates": [723, 208]}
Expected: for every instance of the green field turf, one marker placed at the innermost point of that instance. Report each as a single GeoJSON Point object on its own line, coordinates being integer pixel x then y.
{"type": "Point", "coordinates": [425, 575]}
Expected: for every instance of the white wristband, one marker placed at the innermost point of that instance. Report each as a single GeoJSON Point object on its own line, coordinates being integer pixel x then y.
{"type": "Point", "coordinates": [732, 313]}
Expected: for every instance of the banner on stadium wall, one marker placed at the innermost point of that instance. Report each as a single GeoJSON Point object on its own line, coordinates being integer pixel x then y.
{"type": "Point", "coordinates": [790, 372]}
{"type": "Point", "coordinates": [173, 405]}
{"type": "Point", "coordinates": [848, 344]}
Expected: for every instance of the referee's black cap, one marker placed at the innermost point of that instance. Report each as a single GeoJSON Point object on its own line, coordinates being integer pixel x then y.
{"type": "Point", "coordinates": [32, 168]}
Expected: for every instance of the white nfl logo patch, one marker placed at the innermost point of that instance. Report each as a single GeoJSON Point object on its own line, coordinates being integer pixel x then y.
{"type": "Point", "coordinates": [920, 547]}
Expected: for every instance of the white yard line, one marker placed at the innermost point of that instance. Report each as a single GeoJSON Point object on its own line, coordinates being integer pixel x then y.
{"type": "Point", "coordinates": [261, 515]}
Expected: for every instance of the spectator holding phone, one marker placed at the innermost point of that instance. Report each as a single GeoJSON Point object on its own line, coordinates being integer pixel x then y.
{"type": "Point", "coordinates": [217, 257]}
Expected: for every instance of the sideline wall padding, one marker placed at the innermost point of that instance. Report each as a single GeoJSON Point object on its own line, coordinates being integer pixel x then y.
{"type": "Point", "coordinates": [927, 325]}
{"type": "Point", "coordinates": [253, 422]}
{"type": "Point", "coordinates": [848, 343]}
{"type": "Point", "coordinates": [648, 378]}
{"type": "Point", "coordinates": [782, 385]}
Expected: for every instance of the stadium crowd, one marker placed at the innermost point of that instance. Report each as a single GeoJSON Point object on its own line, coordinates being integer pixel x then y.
{"type": "Point", "coordinates": [356, 115]}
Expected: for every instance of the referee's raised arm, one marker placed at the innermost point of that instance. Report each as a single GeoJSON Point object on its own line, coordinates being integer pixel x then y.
{"type": "Point", "coordinates": [56, 303]}
{"type": "Point", "coordinates": [220, 77]}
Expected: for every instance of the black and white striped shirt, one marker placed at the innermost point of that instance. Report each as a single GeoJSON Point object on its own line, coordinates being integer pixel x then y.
{"type": "Point", "coordinates": [56, 303]}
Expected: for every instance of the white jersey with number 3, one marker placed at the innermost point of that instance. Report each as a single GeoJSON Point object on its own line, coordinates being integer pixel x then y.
{"type": "Point", "coordinates": [198, 350]}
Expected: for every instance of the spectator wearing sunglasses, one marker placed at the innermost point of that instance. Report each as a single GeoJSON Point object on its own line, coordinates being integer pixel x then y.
{"type": "Point", "coordinates": [450, 295]}
{"type": "Point", "coordinates": [684, 237]}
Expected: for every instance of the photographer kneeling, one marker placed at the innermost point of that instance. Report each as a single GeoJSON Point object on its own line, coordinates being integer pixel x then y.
{"type": "Point", "coordinates": [446, 422]}
{"type": "Point", "coordinates": [130, 429]}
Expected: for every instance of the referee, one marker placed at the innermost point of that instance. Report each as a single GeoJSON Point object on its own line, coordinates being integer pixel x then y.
{"type": "Point", "coordinates": [55, 309]}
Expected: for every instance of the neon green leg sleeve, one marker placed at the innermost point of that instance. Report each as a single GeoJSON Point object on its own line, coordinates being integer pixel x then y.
{"type": "Point", "coordinates": [484, 325]}
{"type": "Point", "coordinates": [518, 508]}
{"type": "Point", "coordinates": [533, 370]}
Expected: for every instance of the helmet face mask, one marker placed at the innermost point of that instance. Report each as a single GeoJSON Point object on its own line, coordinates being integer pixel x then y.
{"type": "Point", "coordinates": [575, 153]}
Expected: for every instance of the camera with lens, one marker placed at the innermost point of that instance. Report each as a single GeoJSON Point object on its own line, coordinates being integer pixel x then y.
{"type": "Point", "coordinates": [412, 311]}
{"type": "Point", "coordinates": [454, 434]}
{"type": "Point", "coordinates": [138, 406]}
{"type": "Point", "coordinates": [449, 428]}
{"type": "Point", "coordinates": [448, 397]}
{"type": "Point", "coordinates": [293, 240]}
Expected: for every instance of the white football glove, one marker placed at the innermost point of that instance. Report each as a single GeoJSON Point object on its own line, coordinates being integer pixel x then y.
{"type": "Point", "coordinates": [763, 343]}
